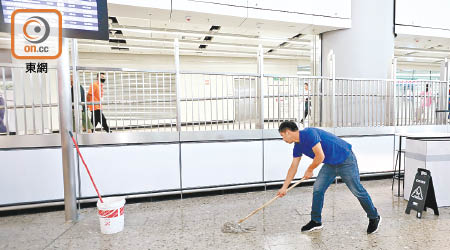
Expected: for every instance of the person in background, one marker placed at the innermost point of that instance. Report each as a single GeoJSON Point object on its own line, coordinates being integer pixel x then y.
{"type": "Point", "coordinates": [425, 103]}
{"type": "Point", "coordinates": [2, 114]}
{"type": "Point", "coordinates": [95, 94]}
{"type": "Point", "coordinates": [307, 104]}
{"type": "Point", "coordinates": [86, 123]}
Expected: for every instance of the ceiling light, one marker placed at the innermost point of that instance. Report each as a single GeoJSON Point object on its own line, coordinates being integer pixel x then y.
{"type": "Point", "coordinates": [214, 28]}
{"type": "Point", "coordinates": [297, 36]}
{"type": "Point", "coordinates": [113, 20]}
{"type": "Point", "coordinates": [120, 48]}
{"type": "Point", "coordinates": [118, 41]}
{"type": "Point", "coordinates": [199, 34]}
{"type": "Point", "coordinates": [162, 40]}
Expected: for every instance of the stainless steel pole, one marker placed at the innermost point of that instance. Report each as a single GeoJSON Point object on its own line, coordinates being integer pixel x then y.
{"type": "Point", "coordinates": [76, 87]}
{"type": "Point", "coordinates": [394, 82]}
{"type": "Point", "coordinates": [260, 123]}
{"type": "Point", "coordinates": [177, 81]}
{"type": "Point", "coordinates": [65, 124]}
{"type": "Point", "coordinates": [332, 65]}
{"type": "Point", "coordinates": [76, 108]}
{"type": "Point", "coordinates": [176, 53]}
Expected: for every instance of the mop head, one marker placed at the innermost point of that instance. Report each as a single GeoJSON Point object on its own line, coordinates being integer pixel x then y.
{"type": "Point", "coordinates": [230, 227]}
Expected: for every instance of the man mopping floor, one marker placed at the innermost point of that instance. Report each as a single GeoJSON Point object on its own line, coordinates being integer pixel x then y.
{"type": "Point", "coordinates": [338, 159]}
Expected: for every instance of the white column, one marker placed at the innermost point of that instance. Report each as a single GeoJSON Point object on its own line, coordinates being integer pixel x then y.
{"type": "Point", "coordinates": [366, 49]}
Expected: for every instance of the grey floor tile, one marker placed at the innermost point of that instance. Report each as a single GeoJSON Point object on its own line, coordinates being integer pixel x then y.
{"type": "Point", "coordinates": [195, 223]}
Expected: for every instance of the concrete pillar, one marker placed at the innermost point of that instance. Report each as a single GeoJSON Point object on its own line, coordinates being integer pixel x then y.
{"type": "Point", "coordinates": [365, 50]}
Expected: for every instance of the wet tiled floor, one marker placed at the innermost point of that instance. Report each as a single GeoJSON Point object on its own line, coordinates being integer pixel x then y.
{"type": "Point", "coordinates": [195, 223]}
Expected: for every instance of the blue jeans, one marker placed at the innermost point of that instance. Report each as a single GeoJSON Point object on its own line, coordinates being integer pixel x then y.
{"type": "Point", "coordinates": [348, 171]}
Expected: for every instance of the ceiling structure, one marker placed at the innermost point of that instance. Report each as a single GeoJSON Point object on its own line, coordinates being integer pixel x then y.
{"type": "Point", "coordinates": [421, 50]}
{"type": "Point", "coordinates": [138, 30]}
{"type": "Point", "coordinates": [152, 31]}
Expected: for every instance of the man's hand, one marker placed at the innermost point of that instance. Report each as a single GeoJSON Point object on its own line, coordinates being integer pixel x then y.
{"type": "Point", "coordinates": [308, 174]}
{"type": "Point", "coordinates": [282, 192]}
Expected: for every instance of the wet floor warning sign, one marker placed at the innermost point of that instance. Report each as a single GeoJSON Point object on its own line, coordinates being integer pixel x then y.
{"type": "Point", "coordinates": [417, 193]}
{"type": "Point", "coordinates": [422, 194]}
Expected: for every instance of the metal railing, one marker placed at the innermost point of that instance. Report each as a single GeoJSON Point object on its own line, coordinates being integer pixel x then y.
{"type": "Point", "coordinates": [364, 103]}
{"type": "Point", "coordinates": [418, 101]}
{"type": "Point", "coordinates": [139, 100]}
{"type": "Point", "coordinates": [293, 98]}
{"type": "Point", "coordinates": [131, 100]}
{"type": "Point", "coordinates": [218, 102]}
{"type": "Point", "coordinates": [30, 102]}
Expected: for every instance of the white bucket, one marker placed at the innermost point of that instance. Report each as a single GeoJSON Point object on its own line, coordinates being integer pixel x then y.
{"type": "Point", "coordinates": [111, 214]}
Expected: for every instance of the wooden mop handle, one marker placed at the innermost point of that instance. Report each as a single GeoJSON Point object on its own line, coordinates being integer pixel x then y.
{"type": "Point", "coordinates": [269, 202]}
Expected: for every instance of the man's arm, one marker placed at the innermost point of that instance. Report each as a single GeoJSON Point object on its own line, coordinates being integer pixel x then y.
{"type": "Point", "coordinates": [319, 156]}
{"type": "Point", "coordinates": [290, 176]}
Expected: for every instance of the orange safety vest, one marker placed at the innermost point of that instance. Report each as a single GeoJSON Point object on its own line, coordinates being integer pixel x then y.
{"type": "Point", "coordinates": [98, 94]}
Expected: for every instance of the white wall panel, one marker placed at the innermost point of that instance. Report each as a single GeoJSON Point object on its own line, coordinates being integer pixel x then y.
{"type": "Point", "coordinates": [430, 14]}
{"type": "Point", "coordinates": [129, 169]}
{"type": "Point", "coordinates": [423, 18]}
{"type": "Point", "coordinates": [30, 175]}
{"type": "Point", "coordinates": [374, 154]}
{"type": "Point", "coordinates": [36, 174]}
{"type": "Point", "coordinates": [330, 8]}
{"type": "Point", "coordinates": [240, 3]}
{"type": "Point", "coordinates": [210, 8]}
{"type": "Point", "coordinates": [278, 158]}
{"type": "Point", "coordinates": [263, 14]}
{"type": "Point", "coordinates": [221, 163]}
{"type": "Point", "coordinates": [143, 3]}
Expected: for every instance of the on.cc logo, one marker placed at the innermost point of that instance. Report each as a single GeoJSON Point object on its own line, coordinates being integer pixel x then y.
{"type": "Point", "coordinates": [36, 29]}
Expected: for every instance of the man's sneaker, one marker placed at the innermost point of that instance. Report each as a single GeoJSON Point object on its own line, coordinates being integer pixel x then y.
{"type": "Point", "coordinates": [373, 225]}
{"type": "Point", "coordinates": [311, 226]}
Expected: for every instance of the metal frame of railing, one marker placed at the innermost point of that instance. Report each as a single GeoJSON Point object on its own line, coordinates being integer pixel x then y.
{"type": "Point", "coordinates": [147, 101]}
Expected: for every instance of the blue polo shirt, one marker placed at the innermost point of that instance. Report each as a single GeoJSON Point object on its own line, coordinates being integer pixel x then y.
{"type": "Point", "coordinates": [334, 148]}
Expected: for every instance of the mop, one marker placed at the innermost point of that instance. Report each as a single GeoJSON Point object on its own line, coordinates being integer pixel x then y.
{"type": "Point", "coordinates": [231, 227]}
{"type": "Point", "coordinates": [87, 169]}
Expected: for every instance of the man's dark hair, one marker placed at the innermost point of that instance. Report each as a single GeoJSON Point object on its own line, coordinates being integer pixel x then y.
{"type": "Point", "coordinates": [287, 125]}
{"type": "Point", "coordinates": [100, 74]}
